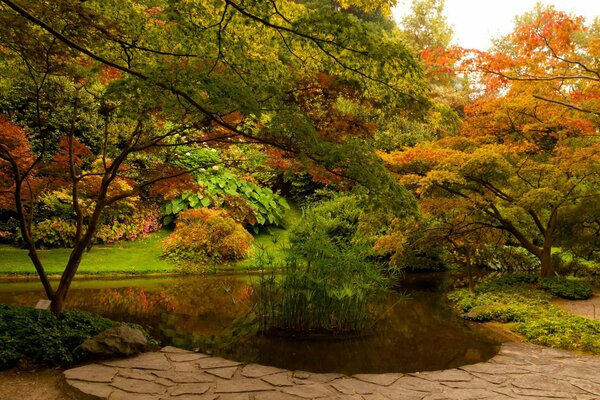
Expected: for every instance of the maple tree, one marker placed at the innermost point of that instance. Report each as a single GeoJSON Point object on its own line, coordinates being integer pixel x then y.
{"type": "Point", "coordinates": [528, 152]}
{"type": "Point", "coordinates": [155, 77]}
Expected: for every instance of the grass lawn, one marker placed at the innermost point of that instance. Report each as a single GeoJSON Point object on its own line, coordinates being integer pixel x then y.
{"type": "Point", "coordinates": [138, 257]}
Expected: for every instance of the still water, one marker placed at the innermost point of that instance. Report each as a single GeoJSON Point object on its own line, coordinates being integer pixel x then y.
{"type": "Point", "coordinates": [417, 332]}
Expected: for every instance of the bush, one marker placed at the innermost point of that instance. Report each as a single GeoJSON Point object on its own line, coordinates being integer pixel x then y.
{"type": "Point", "coordinates": [44, 337]}
{"type": "Point", "coordinates": [207, 236]}
{"type": "Point", "coordinates": [59, 232]}
{"type": "Point", "coordinates": [568, 287]}
{"type": "Point", "coordinates": [514, 299]}
{"type": "Point", "coordinates": [329, 277]}
{"type": "Point", "coordinates": [569, 332]}
{"type": "Point", "coordinates": [505, 282]}
{"type": "Point", "coordinates": [132, 226]}
{"type": "Point", "coordinates": [246, 202]}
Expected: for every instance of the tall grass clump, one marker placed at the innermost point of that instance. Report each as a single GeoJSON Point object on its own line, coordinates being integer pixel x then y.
{"type": "Point", "coordinates": [328, 279]}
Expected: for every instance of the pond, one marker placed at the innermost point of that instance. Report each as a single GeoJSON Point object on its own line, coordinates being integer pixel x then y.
{"type": "Point", "coordinates": [417, 332]}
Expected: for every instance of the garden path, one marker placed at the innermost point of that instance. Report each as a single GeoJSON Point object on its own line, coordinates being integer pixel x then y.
{"type": "Point", "coordinates": [589, 308]}
{"type": "Point", "coordinates": [518, 371]}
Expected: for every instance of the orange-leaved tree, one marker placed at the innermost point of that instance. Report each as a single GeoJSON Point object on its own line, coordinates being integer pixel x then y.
{"type": "Point", "coordinates": [528, 152]}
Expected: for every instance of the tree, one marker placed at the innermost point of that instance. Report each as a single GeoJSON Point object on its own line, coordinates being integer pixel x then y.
{"type": "Point", "coordinates": [528, 150]}
{"type": "Point", "coordinates": [426, 28]}
{"type": "Point", "coordinates": [211, 73]}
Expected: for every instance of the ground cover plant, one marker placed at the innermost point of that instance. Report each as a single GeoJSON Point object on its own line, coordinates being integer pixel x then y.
{"type": "Point", "coordinates": [519, 302]}
{"type": "Point", "coordinates": [43, 337]}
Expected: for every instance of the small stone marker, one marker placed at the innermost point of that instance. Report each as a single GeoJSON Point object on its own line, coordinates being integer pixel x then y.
{"type": "Point", "coordinates": [43, 304]}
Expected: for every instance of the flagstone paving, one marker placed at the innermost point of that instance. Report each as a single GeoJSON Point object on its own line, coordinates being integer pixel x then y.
{"type": "Point", "coordinates": [519, 371]}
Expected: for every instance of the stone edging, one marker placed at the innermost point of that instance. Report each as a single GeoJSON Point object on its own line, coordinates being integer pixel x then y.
{"type": "Point", "coordinates": [518, 371]}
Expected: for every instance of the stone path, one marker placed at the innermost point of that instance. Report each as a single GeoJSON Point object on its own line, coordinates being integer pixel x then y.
{"type": "Point", "coordinates": [519, 371]}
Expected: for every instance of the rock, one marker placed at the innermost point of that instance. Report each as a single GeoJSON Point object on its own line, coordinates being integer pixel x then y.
{"type": "Point", "coordinates": [117, 341]}
{"type": "Point", "coordinates": [479, 313]}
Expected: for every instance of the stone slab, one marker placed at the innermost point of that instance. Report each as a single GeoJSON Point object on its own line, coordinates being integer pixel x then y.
{"type": "Point", "coordinates": [257, 371]}
{"type": "Point", "coordinates": [92, 373]}
{"type": "Point", "coordinates": [153, 361]}
{"type": "Point", "coordinates": [189, 388]}
{"type": "Point", "coordinates": [225, 373]}
{"type": "Point", "coordinates": [379, 379]}
{"type": "Point", "coordinates": [138, 386]}
{"type": "Point", "coordinates": [243, 385]}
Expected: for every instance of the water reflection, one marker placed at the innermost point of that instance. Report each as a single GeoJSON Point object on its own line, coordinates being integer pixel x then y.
{"type": "Point", "coordinates": [417, 334]}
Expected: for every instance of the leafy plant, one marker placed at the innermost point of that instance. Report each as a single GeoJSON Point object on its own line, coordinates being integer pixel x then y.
{"type": "Point", "coordinates": [245, 201]}
{"type": "Point", "coordinates": [44, 337]}
{"type": "Point", "coordinates": [516, 300]}
{"type": "Point", "coordinates": [568, 287]}
{"type": "Point", "coordinates": [206, 236]}
{"type": "Point", "coordinates": [328, 278]}
{"type": "Point", "coordinates": [59, 232]}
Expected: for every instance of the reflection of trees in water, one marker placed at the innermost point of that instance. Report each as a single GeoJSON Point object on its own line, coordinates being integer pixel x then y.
{"type": "Point", "coordinates": [188, 304]}
{"type": "Point", "coordinates": [415, 334]}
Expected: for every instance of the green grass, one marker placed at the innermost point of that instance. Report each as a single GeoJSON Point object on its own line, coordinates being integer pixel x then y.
{"type": "Point", "coordinates": [138, 257]}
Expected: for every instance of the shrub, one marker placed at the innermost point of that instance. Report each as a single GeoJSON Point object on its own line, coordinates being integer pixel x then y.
{"type": "Point", "coordinates": [559, 329]}
{"type": "Point", "coordinates": [246, 202]}
{"type": "Point", "coordinates": [207, 236]}
{"type": "Point", "coordinates": [514, 299]}
{"type": "Point", "coordinates": [59, 232]}
{"type": "Point", "coordinates": [44, 337]}
{"type": "Point", "coordinates": [506, 282]}
{"type": "Point", "coordinates": [132, 226]}
{"type": "Point", "coordinates": [329, 277]}
{"type": "Point", "coordinates": [568, 287]}
{"type": "Point", "coordinates": [55, 232]}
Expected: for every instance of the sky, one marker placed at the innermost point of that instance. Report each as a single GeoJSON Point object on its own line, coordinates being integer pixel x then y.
{"type": "Point", "coordinates": [476, 22]}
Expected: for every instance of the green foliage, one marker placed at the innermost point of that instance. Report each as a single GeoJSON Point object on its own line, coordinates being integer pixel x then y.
{"type": "Point", "coordinates": [517, 300]}
{"type": "Point", "coordinates": [245, 201]}
{"type": "Point", "coordinates": [505, 282]}
{"type": "Point", "coordinates": [564, 331]}
{"type": "Point", "coordinates": [334, 220]}
{"type": "Point", "coordinates": [124, 257]}
{"type": "Point", "coordinates": [207, 236]}
{"type": "Point", "coordinates": [55, 232]}
{"type": "Point", "coordinates": [508, 258]}
{"type": "Point", "coordinates": [58, 232]}
{"type": "Point", "coordinates": [44, 337]}
{"type": "Point", "coordinates": [328, 278]}
{"type": "Point", "coordinates": [331, 295]}
{"type": "Point", "coordinates": [568, 287]}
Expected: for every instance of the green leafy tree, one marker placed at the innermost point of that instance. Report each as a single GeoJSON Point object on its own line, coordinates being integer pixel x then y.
{"type": "Point", "coordinates": [166, 74]}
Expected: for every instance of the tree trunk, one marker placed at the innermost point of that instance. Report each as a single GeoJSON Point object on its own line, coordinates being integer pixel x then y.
{"type": "Point", "coordinates": [546, 268]}
{"type": "Point", "coordinates": [469, 270]}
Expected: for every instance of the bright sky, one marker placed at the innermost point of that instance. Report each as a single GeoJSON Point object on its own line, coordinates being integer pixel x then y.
{"type": "Point", "coordinates": [475, 22]}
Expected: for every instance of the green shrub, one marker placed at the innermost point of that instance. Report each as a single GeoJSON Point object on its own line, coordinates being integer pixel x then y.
{"type": "Point", "coordinates": [131, 225]}
{"type": "Point", "coordinates": [505, 282]}
{"type": "Point", "coordinates": [568, 287]}
{"type": "Point", "coordinates": [514, 299]}
{"type": "Point", "coordinates": [562, 330]}
{"type": "Point", "coordinates": [44, 337]}
{"type": "Point", "coordinates": [207, 236]}
{"type": "Point", "coordinates": [329, 277]}
{"type": "Point", "coordinates": [246, 202]}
